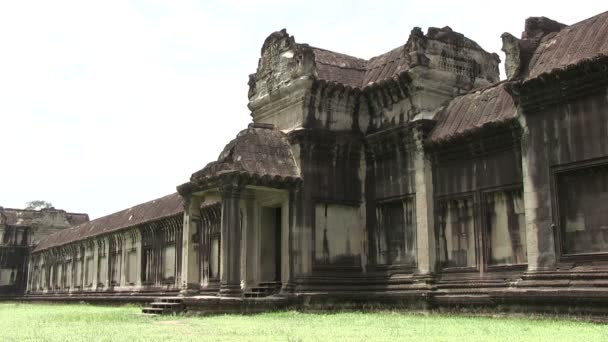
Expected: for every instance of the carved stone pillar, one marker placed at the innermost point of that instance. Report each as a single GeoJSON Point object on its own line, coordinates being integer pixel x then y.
{"type": "Point", "coordinates": [425, 224]}
{"type": "Point", "coordinates": [230, 272]}
{"type": "Point", "coordinates": [188, 272]}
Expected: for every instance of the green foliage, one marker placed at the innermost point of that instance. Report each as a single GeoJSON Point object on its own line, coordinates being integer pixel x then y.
{"type": "Point", "coordinates": [48, 322]}
{"type": "Point", "coordinates": [38, 204]}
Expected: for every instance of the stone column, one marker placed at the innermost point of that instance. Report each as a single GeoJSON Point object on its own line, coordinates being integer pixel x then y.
{"type": "Point", "coordinates": [230, 255]}
{"type": "Point", "coordinates": [286, 243]}
{"type": "Point", "coordinates": [83, 268]}
{"type": "Point", "coordinates": [123, 260]}
{"type": "Point", "coordinates": [203, 253]}
{"type": "Point", "coordinates": [248, 217]}
{"type": "Point", "coordinates": [137, 235]}
{"type": "Point", "coordinates": [108, 276]}
{"type": "Point", "coordinates": [425, 223]}
{"type": "Point", "coordinates": [537, 198]}
{"type": "Point", "coordinates": [188, 275]}
{"type": "Point", "coordinates": [95, 271]}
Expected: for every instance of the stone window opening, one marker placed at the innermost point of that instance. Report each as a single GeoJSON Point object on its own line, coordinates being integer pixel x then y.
{"type": "Point", "coordinates": [10, 236]}
{"type": "Point", "coordinates": [505, 227]}
{"type": "Point", "coordinates": [581, 215]}
{"type": "Point", "coordinates": [484, 230]}
{"type": "Point", "coordinates": [13, 277]}
{"type": "Point", "coordinates": [88, 275]}
{"type": "Point", "coordinates": [35, 276]}
{"type": "Point", "coordinates": [24, 236]}
{"type": "Point", "coordinates": [131, 270]}
{"type": "Point", "coordinates": [168, 262]}
{"type": "Point", "coordinates": [64, 268]}
{"type": "Point", "coordinates": [214, 256]}
{"type": "Point", "coordinates": [56, 279]}
{"type": "Point", "coordinates": [209, 228]}
{"type": "Point", "coordinates": [168, 254]}
{"type": "Point", "coordinates": [115, 261]}
{"type": "Point", "coordinates": [396, 232]}
{"type": "Point", "coordinates": [47, 276]}
{"type": "Point", "coordinates": [149, 255]}
{"type": "Point", "coordinates": [455, 233]}
{"type": "Point", "coordinates": [102, 263]}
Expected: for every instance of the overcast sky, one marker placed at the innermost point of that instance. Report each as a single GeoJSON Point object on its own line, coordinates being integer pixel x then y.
{"type": "Point", "coordinates": [107, 104]}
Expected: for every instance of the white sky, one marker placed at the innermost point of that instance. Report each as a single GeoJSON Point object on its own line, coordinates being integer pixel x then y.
{"type": "Point", "coordinates": [107, 104]}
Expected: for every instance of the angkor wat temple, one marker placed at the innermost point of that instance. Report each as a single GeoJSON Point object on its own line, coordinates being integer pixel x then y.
{"type": "Point", "coordinates": [414, 176]}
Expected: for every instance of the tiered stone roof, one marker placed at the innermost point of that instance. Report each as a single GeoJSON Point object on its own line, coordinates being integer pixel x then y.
{"type": "Point", "coordinates": [570, 46]}
{"type": "Point", "coordinates": [360, 73]}
{"type": "Point", "coordinates": [473, 112]}
{"type": "Point", "coordinates": [154, 210]}
{"type": "Point", "coordinates": [258, 152]}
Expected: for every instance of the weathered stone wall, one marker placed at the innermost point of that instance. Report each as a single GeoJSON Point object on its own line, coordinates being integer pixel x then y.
{"type": "Point", "coordinates": [558, 136]}
{"type": "Point", "coordinates": [330, 166]}
{"type": "Point", "coordinates": [332, 107]}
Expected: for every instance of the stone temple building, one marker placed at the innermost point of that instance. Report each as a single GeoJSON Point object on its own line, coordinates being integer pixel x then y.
{"type": "Point", "coordinates": [20, 231]}
{"type": "Point", "coordinates": [416, 175]}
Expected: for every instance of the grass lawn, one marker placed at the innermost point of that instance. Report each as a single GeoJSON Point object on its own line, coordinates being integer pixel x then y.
{"type": "Point", "coordinates": [50, 322]}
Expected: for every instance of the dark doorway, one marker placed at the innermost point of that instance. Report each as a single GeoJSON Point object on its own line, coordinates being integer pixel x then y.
{"type": "Point", "coordinates": [270, 245]}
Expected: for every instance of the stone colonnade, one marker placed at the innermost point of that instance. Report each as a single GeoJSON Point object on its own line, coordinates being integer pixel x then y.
{"type": "Point", "coordinates": [136, 258]}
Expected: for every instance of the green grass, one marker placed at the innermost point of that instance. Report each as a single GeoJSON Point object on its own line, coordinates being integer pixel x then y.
{"type": "Point", "coordinates": [40, 322]}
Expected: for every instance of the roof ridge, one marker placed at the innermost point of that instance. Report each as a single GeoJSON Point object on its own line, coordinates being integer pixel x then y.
{"type": "Point", "coordinates": [40, 210]}
{"type": "Point", "coordinates": [584, 20]}
{"type": "Point", "coordinates": [134, 206]}
{"type": "Point", "coordinates": [94, 228]}
{"type": "Point", "coordinates": [339, 53]}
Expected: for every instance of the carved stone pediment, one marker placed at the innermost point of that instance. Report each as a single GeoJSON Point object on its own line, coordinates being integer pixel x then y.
{"type": "Point", "coordinates": [282, 61]}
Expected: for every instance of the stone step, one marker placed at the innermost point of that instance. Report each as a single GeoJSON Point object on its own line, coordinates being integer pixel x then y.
{"type": "Point", "coordinates": [169, 306]}
{"type": "Point", "coordinates": [164, 306]}
{"type": "Point", "coordinates": [262, 290]}
{"type": "Point", "coordinates": [153, 311]}
{"type": "Point", "coordinates": [168, 300]}
{"type": "Point", "coordinates": [270, 283]}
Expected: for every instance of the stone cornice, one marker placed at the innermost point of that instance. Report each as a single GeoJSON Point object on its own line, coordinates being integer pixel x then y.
{"type": "Point", "coordinates": [240, 178]}
{"type": "Point", "coordinates": [561, 85]}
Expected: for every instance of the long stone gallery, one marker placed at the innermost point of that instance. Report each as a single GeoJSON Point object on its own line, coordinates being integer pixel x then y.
{"type": "Point", "coordinates": [416, 177]}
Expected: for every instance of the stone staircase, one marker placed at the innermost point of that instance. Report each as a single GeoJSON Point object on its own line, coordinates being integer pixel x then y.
{"type": "Point", "coordinates": [164, 306]}
{"type": "Point", "coordinates": [263, 290]}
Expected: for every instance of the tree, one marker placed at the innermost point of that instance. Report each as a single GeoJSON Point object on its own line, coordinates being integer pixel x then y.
{"type": "Point", "coordinates": [37, 205]}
